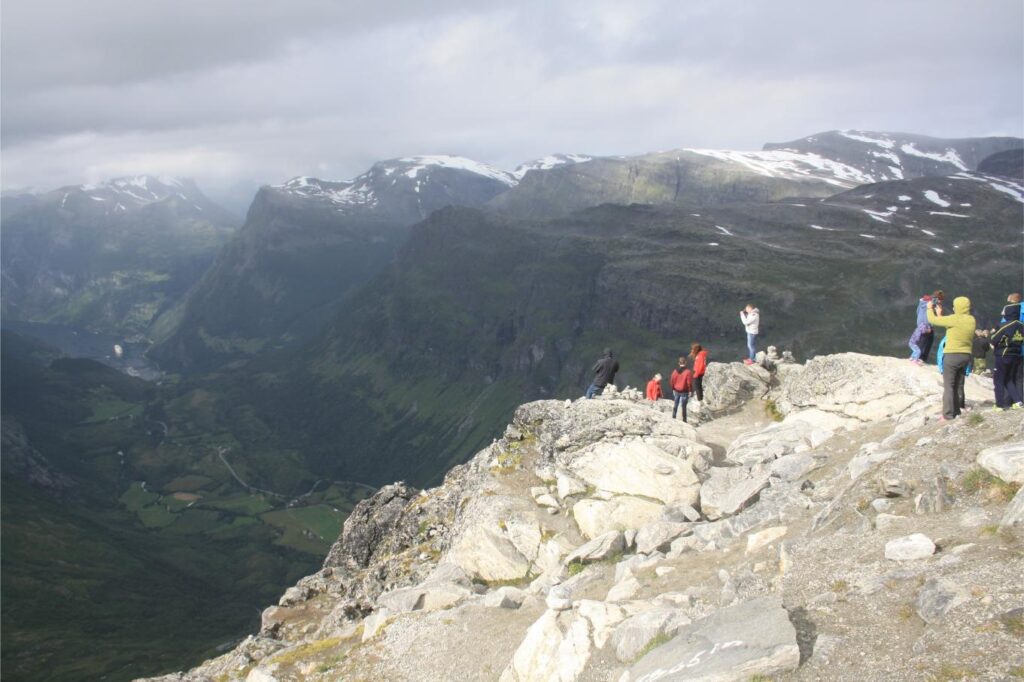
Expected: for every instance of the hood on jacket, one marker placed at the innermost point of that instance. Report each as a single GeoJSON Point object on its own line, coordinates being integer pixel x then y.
{"type": "Point", "coordinates": [1011, 312]}
{"type": "Point", "coordinates": [608, 353]}
{"type": "Point", "coordinates": [961, 305]}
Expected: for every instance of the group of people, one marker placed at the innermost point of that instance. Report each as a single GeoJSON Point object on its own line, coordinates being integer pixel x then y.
{"type": "Point", "coordinates": [684, 380]}
{"type": "Point", "coordinates": [965, 347]}
{"type": "Point", "coordinates": [687, 378]}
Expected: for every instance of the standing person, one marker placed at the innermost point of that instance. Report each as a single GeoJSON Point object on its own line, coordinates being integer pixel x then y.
{"type": "Point", "coordinates": [654, 388]}
{"type": "Point", "coordinates": [917, 341]}
{"type": "Point", "coordinates": [1006, 347]}
{"type": "Point", "coordinates": [751, 318]}
{"type": "Point", "coordinates": [923, 306]}
{"type": "Point", "coordinates": [979, 351]}
{"type": "Point", "coordinates": [699, 360]}
{"type": "Point", "coordinates": [682, 384]}
{"type": "Point", "coordinates": [604, 372]}
{"type": "Point", "coordinates": [960, 328]}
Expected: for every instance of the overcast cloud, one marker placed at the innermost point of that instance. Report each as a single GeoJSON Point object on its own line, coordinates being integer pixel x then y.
{"type": "Point", "coordinates": [237, 94]}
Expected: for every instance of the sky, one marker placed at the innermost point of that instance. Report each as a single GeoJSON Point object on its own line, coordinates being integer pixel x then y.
{"type": "Point", "coordinates": [236, 94]}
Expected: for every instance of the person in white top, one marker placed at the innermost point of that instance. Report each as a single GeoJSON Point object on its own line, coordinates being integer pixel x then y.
{"type": "Point", "coordinates": [751, 318]}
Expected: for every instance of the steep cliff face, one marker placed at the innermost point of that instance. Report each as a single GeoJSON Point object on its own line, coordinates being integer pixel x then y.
{"type": "Point", "coordinates": [602, 540]}
{"type": "Point", "coordinates": [305, 246]}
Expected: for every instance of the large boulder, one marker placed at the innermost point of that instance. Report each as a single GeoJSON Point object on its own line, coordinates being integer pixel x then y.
{"type": "Point", "coordinates": [729, 386]}
{"type": "Point", "coordinates": [624, 512]}
{"type": "Point", "coordinates": [634, 634]}
{"type": "Point", "coordinates": [737, 643]}
{"type": "Point", "coordinates": [865, 387]}
{"type": "Point", "coordinates": [556, 648]}
{"type": "Point", "coordinates": [633, 467]}
{"type": "Point", "coordinates": [729, 489]}
{"type": "Point", "coordinates": [1005, 461]}
{"type": "Point", "coordinates": [372, 522]}
{"type": "Point", "coordinates": [1014, 514]}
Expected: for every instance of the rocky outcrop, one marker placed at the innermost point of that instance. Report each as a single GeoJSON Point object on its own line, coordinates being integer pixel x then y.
{"type": "Point", "coordinates": [584, 544]}
{"type": "Point", "coordinates": [736, 643]}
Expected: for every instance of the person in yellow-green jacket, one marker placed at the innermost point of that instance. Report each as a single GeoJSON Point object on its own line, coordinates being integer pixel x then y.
{"type": "Point", "coordinates": [960, 328]}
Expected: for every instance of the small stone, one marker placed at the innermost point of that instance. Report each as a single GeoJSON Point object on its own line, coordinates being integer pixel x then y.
{"type": "Point", "coordinates": [547, 500]}
{"type": "Point", "coordinates": [602, 547]}
{"type": "Point", "coordinates": [888, 521]}
{"type": "Point", "coordinates": [680, 546]}
{"type": "Point", "coordinates": [937, 597]}
{"type": "Point", "coordinates": [756, 541]}
{"type": "Point", "coordinates": [624, 590]}
{"type": "Point", "coordinates": [662, 571]}
{"type": "Point", "coordinates": [894, 487]}
{"type": "Point", "coordinates": [1014, 514]}
{"type": "Point", "coordinates": [373, 623]}
{"type": "Point", "coordinates": [630, 537]}
{"type": "Point", "coordinates": [935, 498]}
{"type": "Point", "coordinates": [880, 504]}
{"type": "Point", "coordinates": [659, 535]}
{"type": "Point", "coordinates": [505, 597]}
{"type": "Point", "coordinates": [909, 548]}
{"type": "Point", "coordinates": [567, 485]}
{"type": "Point", "coordinates": [558, 599]}
{"type": "Point", "coordinates": [927, 440]}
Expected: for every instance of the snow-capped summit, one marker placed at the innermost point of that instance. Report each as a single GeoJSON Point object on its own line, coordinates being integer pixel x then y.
{"type": "Point", "coordinates": [547, 162]}
{"type": "Point", "coordinates": [414, 185]}
{"type": "Point", "coordinates": [415, 165]}
{"type": "Point", "coordinates": [119, 195]}
{"type": "Point", "coordinates": [880, 156]}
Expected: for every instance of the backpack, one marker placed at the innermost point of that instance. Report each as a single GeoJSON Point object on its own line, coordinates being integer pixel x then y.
{"type": "Point", "coordinates": [942, 352]}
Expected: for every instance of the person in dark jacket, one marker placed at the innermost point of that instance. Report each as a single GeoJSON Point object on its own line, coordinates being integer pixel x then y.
{"type": "Point", "coordinates": [682, 383]}
{"type": "Point", "coordinates": [1006, 346]}
{"type": "Point", "coordinates": [979, 351]}
{"type": "Point", "coordinates": [604, 372]}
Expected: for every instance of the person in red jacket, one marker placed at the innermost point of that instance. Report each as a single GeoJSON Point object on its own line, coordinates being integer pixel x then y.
{"type": "Point", "coordinates": [654, 388]}
{"type": "Point", "coordinates": [682, 384]}
{"type": "Point", "coordinates": [699, 358]}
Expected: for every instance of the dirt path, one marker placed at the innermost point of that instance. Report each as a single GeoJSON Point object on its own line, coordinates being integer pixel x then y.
{"type": "Point", "coordinates": [719, 433]}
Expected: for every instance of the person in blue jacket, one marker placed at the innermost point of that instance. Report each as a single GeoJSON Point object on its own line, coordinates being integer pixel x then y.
{"type": "Point", "coordinates": [927, 338]}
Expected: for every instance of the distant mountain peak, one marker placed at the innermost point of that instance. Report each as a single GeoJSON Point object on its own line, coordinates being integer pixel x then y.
{"type": "Point", "coordinates": [413, 166]}
{"type": "Point", "coordinates": [547, 162]}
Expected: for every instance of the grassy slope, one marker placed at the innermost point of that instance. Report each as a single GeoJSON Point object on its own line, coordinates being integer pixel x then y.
{"type": "Point", "coordinates": [113, 579]}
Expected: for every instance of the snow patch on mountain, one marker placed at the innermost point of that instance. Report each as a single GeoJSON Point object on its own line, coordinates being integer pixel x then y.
{"type": "Point", "coordinates": [884, 142]}
{"type": "Point", "coordinates": [548, 162]}
{"type": "Point", "coordinates": [419, 164]}
{"type": "Point", "coordinates": [949, 156]}
{"type": "Point", "coordinates": [933, 196]}
{"type": "Point", "coordinates": [792, 165]}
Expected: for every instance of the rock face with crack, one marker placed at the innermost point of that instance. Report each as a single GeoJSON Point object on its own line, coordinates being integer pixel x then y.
{"type": "Point", "coordinates": [736, 643]}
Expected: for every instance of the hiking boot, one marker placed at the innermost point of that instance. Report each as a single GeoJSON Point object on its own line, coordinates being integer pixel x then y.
{"type": "Point", "coordinates": [996, 408]}
{"type": "Point", "coordinates": [1017, 406]}
{"type": "Point", "coordinates": [747, 361]}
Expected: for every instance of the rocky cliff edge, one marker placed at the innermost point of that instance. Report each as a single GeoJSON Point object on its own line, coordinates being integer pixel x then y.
{"type": "Point", "coordinates": [820, 523]}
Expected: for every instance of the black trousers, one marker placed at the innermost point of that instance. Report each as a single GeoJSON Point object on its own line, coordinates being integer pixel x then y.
{"type": "Point", "coordinates": [954, 371]}
{"type": "Point", "coordinates": [926, 345]}
{"type": "Point", "coordinates": [1007, 380]}
{"type": "Point", "coordinates": [698, 387]}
